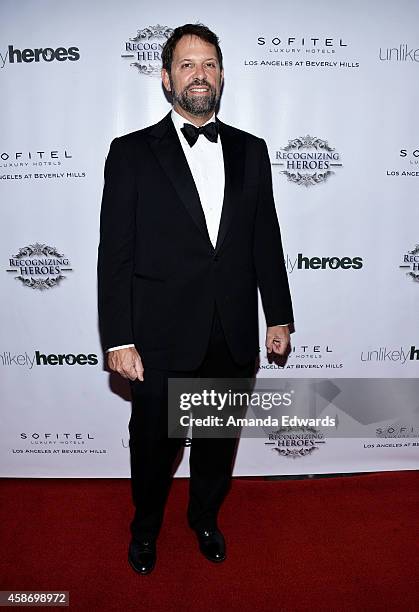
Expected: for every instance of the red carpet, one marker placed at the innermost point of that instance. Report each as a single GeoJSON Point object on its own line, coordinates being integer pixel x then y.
{"type": "Point", "coordinates": [337, 544]}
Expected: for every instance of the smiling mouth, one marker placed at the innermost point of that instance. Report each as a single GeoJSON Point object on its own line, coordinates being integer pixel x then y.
{"type": "Point", "coordinates": [199, 89]}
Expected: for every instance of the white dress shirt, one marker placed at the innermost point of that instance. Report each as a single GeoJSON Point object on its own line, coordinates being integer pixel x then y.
{"type": "Point", "coordinates": [206, 163]}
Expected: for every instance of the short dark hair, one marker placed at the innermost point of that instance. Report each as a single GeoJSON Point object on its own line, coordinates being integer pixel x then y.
{"type": "Point", "coordinates": [189, 29]}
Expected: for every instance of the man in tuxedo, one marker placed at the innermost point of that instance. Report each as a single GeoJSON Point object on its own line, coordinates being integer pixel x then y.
{"type": "Point", "coordinates": [188, 232]}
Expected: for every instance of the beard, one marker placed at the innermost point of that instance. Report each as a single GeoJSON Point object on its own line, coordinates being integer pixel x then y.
{"type": "Point", "coordinates": [196, 105]}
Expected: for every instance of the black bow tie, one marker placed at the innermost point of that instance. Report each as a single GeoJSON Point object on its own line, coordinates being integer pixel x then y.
{"type": "Point", "coordinates": [191, 132]}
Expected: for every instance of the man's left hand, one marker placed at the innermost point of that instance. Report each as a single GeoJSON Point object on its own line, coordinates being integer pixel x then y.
{"type": "Point", "coordinates": [277, 339]}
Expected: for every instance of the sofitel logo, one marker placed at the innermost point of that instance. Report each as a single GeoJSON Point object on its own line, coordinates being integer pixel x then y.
{"type": "Point", "coordinates": [410, 157]}
{"type": "Point", "coordinates": [39, 266]}
{"type": "Point", "coordinates": [411, 263]}
{"type": "Point", "coordinates": [145, 49]}
{"type": "Point", "coordinates": [297, 44]}
{"type": "Point", "coordinates": [52, 438]}
{"type": "Point", "coordinates": [398, 430]}
{"type": "Point", "coordinates": [21, 159]}
{"type": "Point", "coordinates": [307, 160]}
{"type": "Point", "coordinates": [297, 52]}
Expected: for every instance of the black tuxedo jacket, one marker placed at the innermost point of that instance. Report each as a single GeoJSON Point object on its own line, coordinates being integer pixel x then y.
{"type": "Point", "coordinates": [159, 276]}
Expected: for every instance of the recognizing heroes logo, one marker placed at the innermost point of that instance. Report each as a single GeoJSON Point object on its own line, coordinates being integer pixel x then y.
{"type": "Point", "coordinates": [411, 263]}
{"type": "Point", "coordinates": [145, 49]}
{"type": "Point", "coordinates": [294, 442]}
{"type": "Point", "coordinates": [307, 160]}
{"type": "Point", "coordinates": [39, 266]}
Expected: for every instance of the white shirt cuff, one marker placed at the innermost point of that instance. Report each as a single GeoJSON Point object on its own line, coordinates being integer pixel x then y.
{"type": "Point", "coordinates": [116, 348]}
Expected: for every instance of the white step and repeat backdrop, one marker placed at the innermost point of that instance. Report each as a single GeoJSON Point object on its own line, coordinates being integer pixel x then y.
{"type": "Point", "coordinates": [334, 89]}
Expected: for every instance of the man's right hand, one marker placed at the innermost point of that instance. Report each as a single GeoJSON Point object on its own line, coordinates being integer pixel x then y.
{"type": "Point", "coordinates": [126, 362]}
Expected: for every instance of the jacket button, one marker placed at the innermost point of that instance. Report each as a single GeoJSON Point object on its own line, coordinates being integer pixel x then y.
{"type": "Point", "coordinates": [215, 257]}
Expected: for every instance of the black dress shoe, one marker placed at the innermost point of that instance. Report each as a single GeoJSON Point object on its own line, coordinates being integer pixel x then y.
{"type": "Point", "coordinates": [212, 544]}
{"type": "Point", "coordinates": [142, 555]}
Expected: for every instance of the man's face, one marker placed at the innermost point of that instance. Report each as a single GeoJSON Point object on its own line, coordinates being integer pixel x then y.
{"type": "Point", "coordinates": [195, 78]}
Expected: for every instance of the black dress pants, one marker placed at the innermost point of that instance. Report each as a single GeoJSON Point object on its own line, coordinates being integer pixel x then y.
{"type": "Point", "coordinates": [152, 452]}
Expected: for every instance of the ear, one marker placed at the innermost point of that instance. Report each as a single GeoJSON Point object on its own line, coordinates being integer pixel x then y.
{"type": "Point", "coordinates": [222, 76]}
{"type": "Point", "coordinates": [165, 79]}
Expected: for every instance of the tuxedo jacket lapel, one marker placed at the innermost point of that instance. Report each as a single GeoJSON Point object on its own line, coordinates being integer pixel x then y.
{"type": "Point", "coordinates": [168, 150]}
{"type": "Point", "coordinates": [233, 149]}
